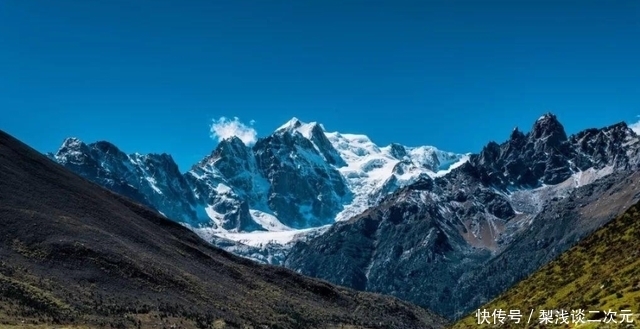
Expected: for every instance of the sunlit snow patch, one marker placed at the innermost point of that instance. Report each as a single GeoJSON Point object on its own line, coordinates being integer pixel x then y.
{"type": "Point", "coordinates": [260, 238]}
{"type": "Point", "coordinates": [267, 221]}
{"type": "Point", "coordinates": [455, 165]}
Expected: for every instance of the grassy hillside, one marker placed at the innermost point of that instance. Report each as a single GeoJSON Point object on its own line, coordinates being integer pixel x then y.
{"type": "Point", "coordinates": [601, 273]}
{"type": "Point", "coordinates": [74, 255]}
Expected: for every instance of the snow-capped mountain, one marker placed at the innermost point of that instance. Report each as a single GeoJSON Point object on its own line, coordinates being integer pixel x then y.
{"type": "Point", "coordinates": [453, 242]}
{"type": "Point", "coordinates": [291, 184]}
{"type": "Point", "coordinates": [443, 230]}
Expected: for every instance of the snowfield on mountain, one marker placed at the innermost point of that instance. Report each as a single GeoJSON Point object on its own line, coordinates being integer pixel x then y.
{"type": "Point", "coordinates": [288, 186]}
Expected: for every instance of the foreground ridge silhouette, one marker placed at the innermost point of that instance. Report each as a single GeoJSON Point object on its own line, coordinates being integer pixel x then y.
{"type": "Point", "coordinates": [75, 254]}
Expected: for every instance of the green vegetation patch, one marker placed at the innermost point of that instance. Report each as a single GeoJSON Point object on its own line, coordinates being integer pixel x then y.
{"type": "Point", "coordinates": [601, 273]}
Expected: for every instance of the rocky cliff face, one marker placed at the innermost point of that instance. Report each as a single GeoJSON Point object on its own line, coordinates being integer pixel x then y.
{"type": "Point", "coordinates": [306, 188]}
{"type": "Point", "coordinates": [452, 242]}
{"type": "Point", "coordinates": [153, 180]}
{"type": "Point", "coordinates": [284, 174]}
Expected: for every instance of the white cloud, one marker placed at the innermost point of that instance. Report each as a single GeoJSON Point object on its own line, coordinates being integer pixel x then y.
{"type": "Point", "coordinates": [635, 126]}
{"type": "Point", "coordinates": [224, 128]}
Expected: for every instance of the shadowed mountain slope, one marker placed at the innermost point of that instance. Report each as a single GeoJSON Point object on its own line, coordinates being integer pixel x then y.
{"type": "Point", "coordinates": [453, 243]}
{"type": "Point", "coordinates": [74, 253]}
{"type": "Point", "coordinates": [601, 273]}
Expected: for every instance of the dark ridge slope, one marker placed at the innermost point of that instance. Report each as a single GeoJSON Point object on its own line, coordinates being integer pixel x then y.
{"type": "Point", "coordinates": [601, 273]}
{"type": "Point", "coordinates": [74, 253]}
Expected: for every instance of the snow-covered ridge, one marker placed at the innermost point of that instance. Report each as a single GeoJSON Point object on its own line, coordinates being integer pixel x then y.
{"type": "Point", "coordinates": [373, 171]}
{"type": "Point", "coordinates": [296, 125]}
{"type": "Point", "coordinates": [370, 171]}
{"type": "Point", "coordinates": [287, 186]}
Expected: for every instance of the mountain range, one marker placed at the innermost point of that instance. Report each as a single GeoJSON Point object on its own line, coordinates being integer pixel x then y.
{"type": "Point", "coordinates": [76, 255]}
{"type": "Point", "coordinates": [445, 231]}
{"type": "Point", "coordinates": [292, 183]}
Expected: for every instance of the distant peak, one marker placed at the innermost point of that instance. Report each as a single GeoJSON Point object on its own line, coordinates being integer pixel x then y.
{"type": "Point", "coordinates": [548, 119]}
{"type": "Point", "coordinates": [72, 142]}
{"type": "Point", "coordinates": [72, 149]}
{"type": "Point", "coordinates": [293, 123]}
{"type": "Point", "coordinates": [619, 125]}
{"type": "Point", "coordinates": [306, 129]}
{"type": "Point", "coordinates": [547, 116]}
{"type": "Point", "coordinates": [516, 134]}
{"type": "Point", "coordinates": [232, 141]}
{"type": "Point", "coordinates": [622, 127]}
{"type": "Point", "coordinates": [231, 146]}
{"type": "Point", "coordinates": [549, 125]}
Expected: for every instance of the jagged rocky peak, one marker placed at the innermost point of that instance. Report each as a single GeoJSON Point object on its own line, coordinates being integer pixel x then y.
{"type": "Point", "coordinates": [320, 140]}
{"type": "Point", "coordinates": [151, 179]}
{"type": "Point", "coordinates": [517, 135]}
{"type": "Point", "coordinates": [236, 163]}
{"type": "Point", "coordinates": [541, 156]}
{"type": "Point", "coordinates": [548, 126]}
{"type": "Point", "coordinates": [293, 125]}
{"type": "Point", "coordinates": [72, 150]}
{"type": "Point", "coordinates": [547, 134]}
{"type": "Point", "coordinates": [79, 153]}
{"type": "Point", "coordinates": [314, 133]}
{"type": "Point", "coordinates": [293, 133]}
{"type": "Point", "coordinates": [616, 145]}
{"type": "Point", "coordinates": [489, 154]}
{"type": "Point", "coordinates": [230, 149]}
{"type": "Point", "coordinates": [308, 130]}
{"type": "Point", "coordinates": [616, 133]}
{"type": "Point", "coordinates": [546, 155]}
{"type": "Point", "coordinates": [290, 174]}
{"type": "Point", "coordinates": [232, 146]}
{"type": "Point", "coordinates": [305, 190]}
{"type": "Point", "coordinates": [621, 127]}
{"type": "Point", "coordinates": [72, 143]}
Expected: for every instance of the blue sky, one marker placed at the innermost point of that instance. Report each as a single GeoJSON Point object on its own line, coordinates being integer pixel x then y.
{"type": "Point", "coordinates": [150, 76]}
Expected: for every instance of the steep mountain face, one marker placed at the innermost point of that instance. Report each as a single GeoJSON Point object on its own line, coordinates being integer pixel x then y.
{"type": "Point", "coordinates": [213, 180]}
{"type": "Point", "coordinates": [453, 242]}
{"type": "Point", "coordinates": [76, 255]}
{"type": "Point", "coordinates": [153, 180]}
{"type": "Point", "coordinates": [283, 175]}
{"type": "Point", "coordinates": [306, 189]}
{"type": "Point", "coordinates": [601, 275]}
{"type": "Point", "coordinates": [282, 188]}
